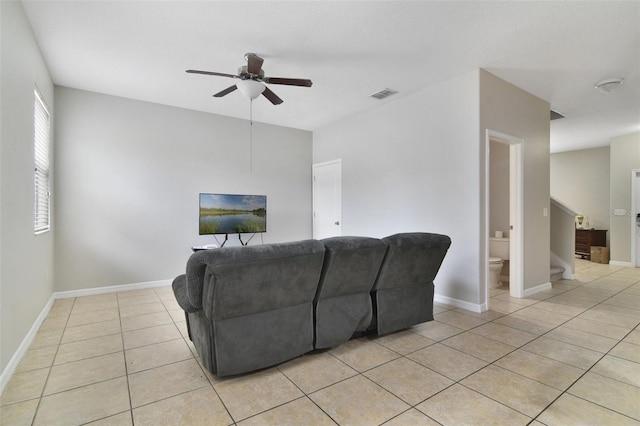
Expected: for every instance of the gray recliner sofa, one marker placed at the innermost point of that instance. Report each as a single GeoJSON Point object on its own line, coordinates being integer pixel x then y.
{"type": "Point", "coordinates": [403, 292]}
{"type": "Point", "coordinates": [249, 308]}
{"type": "Point", "coordinates": [253, 307]}
{"type": "Point", "coordinates": [343, 302]}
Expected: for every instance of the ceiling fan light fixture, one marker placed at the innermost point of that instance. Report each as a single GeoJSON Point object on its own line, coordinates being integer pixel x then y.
{"type": "Point", "coordinates": [608, 85]}
{"type": "Point", "coordinates": [251, 78]}
{"type": "Point", "coordinates": [250, 88]}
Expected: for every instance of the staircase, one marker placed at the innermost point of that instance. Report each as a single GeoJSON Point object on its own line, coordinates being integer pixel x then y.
{"type": "Point", "coordinates": [556, 273]}
{"type": "Point", "coordinates": [563, 235]}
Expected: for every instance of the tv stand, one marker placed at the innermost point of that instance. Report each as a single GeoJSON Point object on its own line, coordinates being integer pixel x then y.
{"type": "Point", "coordinates": [226, 238]}
{"type": "Point", "coordinates": [250, 238]}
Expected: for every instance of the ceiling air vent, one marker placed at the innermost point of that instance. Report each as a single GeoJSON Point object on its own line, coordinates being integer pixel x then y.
{"type": "Point", "coordinates": [556, 115]}
{"type": "Point", "coordinates": [383, 93]}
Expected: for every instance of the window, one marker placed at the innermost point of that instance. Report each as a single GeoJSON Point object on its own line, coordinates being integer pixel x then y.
{"type": "Point", "coordinates": [41, 127]}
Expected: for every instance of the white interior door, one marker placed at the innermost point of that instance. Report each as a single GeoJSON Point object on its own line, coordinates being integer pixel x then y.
{"type": "Point", "coordinates": [327, 199]}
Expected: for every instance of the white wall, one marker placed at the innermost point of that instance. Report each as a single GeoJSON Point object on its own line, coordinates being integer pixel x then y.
{"type": "Point", "coordinates": [597, 181]}
{"type": "Point", "coordinates": [128, 178]}
{"type": "Point", "coordinates": [580, 179]}
{"type": "Point", "coordinates": [26, 277]}
{"type": "Point", "coordinates": [412, 164]}
{"type": "Point", "coordinates": [625, 157]}
{"type": "Point", "coordinates": [416, 164]}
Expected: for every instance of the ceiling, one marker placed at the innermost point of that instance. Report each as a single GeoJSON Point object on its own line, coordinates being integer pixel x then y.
{"type": "Point", "coordinates": [555, 50]}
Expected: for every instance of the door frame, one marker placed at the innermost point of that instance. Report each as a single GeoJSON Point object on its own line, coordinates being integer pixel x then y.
{"type": "Point", "coordinates": [634, 210]}
{"type": "Point", "coordinates": [516, 214]}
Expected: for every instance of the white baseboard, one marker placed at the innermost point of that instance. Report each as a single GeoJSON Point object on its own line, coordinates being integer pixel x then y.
{"type": "Point", "coordinates": [28, 339]}
{"type": "Point", "coordinates": [110, 289]}
{"type": "Point", "coordinates": [537, 289]}
{"type": "Point", "coordinates": [24, 346]}
{"type": "Point", "coordinates": [619, 263]}
{"type": "Point", "coordinates": [462, 304]}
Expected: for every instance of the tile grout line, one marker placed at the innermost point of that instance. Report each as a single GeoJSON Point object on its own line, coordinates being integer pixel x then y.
{"type": "Point", "coordinates": [126, 367]}
{"type": "Point", "coordinates": [520, 347]}
{"type": "Point", "coordinates": [35, 414]}
{"type": "Point", "coordinates": [595, 363]}
{"type": "Point", "coordinates": [200, 366]}
{"type": "Point", "coordinates": [614, 294]}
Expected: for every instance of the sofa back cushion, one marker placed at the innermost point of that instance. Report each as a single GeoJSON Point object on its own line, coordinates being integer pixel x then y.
{"type": "Point", "coordinates": [245, 280]}
{"type": "Point", "coordinates": [351, 265]}
{"type": "Point", "coordinates": [412, 258]}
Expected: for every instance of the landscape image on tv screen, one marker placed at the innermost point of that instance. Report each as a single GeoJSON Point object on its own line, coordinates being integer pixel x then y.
{"type": "Point", "coordinates": [232, 214]}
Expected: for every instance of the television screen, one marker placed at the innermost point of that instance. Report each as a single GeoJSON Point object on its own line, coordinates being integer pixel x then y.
{"type": "Point", "coordinates": [232, 214]}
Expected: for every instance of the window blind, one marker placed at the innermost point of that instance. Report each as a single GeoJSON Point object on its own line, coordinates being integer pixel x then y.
{"type": "Point", "coordinates": [41, 125]}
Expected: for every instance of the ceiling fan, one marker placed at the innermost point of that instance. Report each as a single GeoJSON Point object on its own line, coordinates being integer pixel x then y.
{"type": "Point", "coordinates": [252, 77]}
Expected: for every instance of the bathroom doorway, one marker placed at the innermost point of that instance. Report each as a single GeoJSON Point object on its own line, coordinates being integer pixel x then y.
{"type": "Point", "coordinates": [515, 212]}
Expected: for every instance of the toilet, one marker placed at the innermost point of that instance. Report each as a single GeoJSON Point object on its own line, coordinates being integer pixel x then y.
{"type": "Point", "coordinates": [498, 253]}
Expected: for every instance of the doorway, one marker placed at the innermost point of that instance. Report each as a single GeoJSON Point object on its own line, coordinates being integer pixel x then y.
{"type": "Point", "coordinates": [635, 217]}
{"type": "Point", "coordinates": [327, 199]}
{"type": "Point", "coordinates": [516, 261]}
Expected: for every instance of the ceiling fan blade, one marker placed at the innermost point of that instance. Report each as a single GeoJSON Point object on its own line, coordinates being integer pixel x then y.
{"type": "Point", "coordinates": [225, 91]}
{"type": "Point", "coordinates": [271, 96]}
{"type": "Point", "coordinates": [289, 81]}
{"type": "Point", "coordinates": [254, 63]}
{"type": "Point", "coordinates": [220, 74]}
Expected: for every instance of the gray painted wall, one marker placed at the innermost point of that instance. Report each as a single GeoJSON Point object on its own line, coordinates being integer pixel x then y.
{"type": "Point", "coordinates": [508, 109]}
{"type": "Point", "coordinates": [499, 197]}
{"type": "Point", "coordinates": [26, 276]}
{"type": "Point", "coordinates": [128, 178]}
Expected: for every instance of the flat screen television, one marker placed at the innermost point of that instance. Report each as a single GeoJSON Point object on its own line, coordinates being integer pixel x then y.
{"type": "Point", "coordinates": [232, 214]}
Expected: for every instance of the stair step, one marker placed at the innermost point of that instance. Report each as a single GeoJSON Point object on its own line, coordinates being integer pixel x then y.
{"type": "Point", "coordinates": [556, 273]}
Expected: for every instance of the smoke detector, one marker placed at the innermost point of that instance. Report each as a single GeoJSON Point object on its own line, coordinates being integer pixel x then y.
{"type": "Point", "coordinates": [608, 85]}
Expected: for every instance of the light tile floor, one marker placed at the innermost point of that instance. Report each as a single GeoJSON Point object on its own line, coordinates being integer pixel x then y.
{"type": "Point", "coordinates": [569, 355]}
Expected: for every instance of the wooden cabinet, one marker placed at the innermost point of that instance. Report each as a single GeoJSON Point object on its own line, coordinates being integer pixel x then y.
{"type": "Point", "coordinates": [585, 238]}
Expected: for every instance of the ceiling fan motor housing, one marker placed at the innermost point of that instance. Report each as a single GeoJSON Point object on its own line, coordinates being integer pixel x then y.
{"type": "Point", "coordinates": [244, 74]}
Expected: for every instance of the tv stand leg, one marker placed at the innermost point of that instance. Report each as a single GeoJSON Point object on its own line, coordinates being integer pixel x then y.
{"type": "Point", "coordinates": [243, 243]}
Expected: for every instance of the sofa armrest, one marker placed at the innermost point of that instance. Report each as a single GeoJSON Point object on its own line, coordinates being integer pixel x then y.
{"type": "Point", "coordinates": [179, 286]}
{"type": "Point", "coordinates": [188, 288]}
